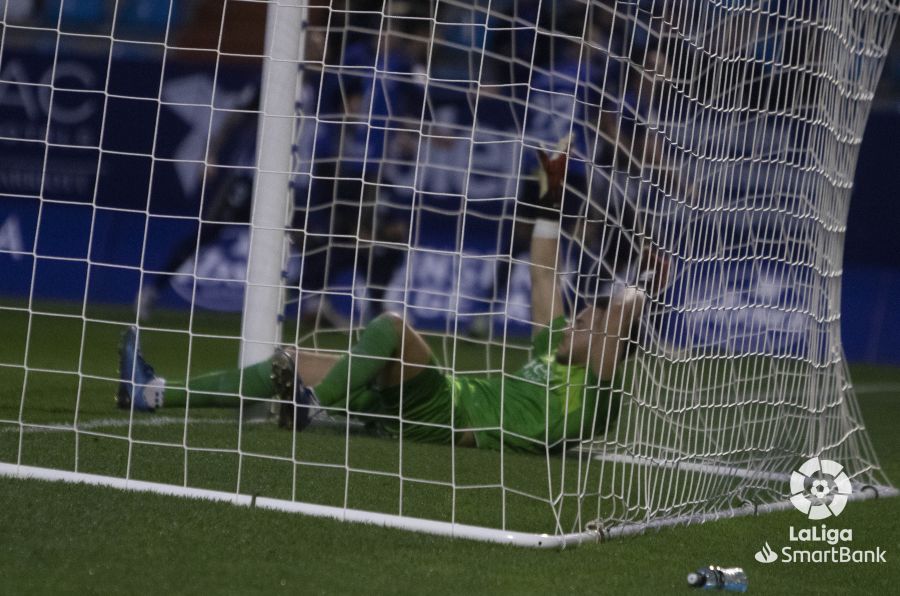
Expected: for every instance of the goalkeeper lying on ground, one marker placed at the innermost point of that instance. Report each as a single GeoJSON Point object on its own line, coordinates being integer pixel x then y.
{"type": "Point", "coordinates": [555, 397]}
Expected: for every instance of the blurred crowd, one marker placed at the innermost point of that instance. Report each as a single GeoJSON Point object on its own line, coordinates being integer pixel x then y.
{"type": "Point", "coordinates": [377, 136]}
{"type": "Point", "coordinates": [374, 135]}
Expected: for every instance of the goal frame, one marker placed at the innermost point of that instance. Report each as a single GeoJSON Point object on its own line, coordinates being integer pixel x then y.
{"type": "Point", "coordinates": [286, 28]}
{"type": "Point", "coordinates": [591, 533]}
{"type": "Point", "coordinates": [261, 332]}
{"type": "Point", "coordinates": [286, 24]}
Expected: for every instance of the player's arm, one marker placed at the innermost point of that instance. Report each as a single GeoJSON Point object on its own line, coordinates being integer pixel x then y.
{"type": "Point", "coordinates": [546, 296]}
{"type": "Point", "coordinates": [655, 274]}
{"type": "Point", "coordinates": [615, 331]}
{"type": "Point", "coordinates": [626, 306]}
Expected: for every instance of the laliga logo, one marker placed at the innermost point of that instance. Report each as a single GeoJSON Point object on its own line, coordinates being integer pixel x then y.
{"type": "Point", "coordinates": [820, 488]}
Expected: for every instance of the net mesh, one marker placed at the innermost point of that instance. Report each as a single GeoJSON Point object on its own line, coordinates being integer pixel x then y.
{"type": "Point", "coordinates": [719, 137]}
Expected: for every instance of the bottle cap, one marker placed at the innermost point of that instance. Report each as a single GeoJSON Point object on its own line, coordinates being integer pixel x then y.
{"type": "Point", "coordinates": [696, 579]}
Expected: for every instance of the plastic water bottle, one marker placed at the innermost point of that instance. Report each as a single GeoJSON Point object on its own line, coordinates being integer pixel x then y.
{"type": "Point", "coordinates": [712, 577]}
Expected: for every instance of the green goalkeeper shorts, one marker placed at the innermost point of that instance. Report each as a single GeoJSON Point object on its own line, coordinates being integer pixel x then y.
{"type": "Point", "coordinates": [427, 405]}
{"type": "Point", "coordinates": [424, 407]}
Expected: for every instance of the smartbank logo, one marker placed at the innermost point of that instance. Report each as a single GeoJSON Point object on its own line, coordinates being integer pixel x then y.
{"type": "Point", "coordinates": [766, 554]}
{"type": "Point", "coordinates": [820, 489]}
{"type": "Point", "coordinates": [807, 553]}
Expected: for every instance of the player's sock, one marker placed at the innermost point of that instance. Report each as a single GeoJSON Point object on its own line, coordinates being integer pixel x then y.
{"type": "Point", "coordinates": [353, 374]}
{"type": "Point", "coordinates": [207, 390]}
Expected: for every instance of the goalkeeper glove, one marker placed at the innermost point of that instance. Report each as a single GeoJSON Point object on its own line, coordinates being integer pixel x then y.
{"type": "Point", "coordinates": [550, 179]}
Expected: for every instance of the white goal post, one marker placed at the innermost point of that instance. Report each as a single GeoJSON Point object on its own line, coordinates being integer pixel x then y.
{"type": "Point", "coordinates": [711, 147]}
{"type": "Point", "coordinates": [260, 328]}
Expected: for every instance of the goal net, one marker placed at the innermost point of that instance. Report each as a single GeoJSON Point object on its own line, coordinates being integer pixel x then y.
{"type": "Point", "coordinates": [314, 165]}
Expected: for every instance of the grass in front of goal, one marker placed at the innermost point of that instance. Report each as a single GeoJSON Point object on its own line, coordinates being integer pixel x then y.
{"type": "Point", "coordinates": [213, 448]}
{"type": "Point", "coordinates": [82, 538]}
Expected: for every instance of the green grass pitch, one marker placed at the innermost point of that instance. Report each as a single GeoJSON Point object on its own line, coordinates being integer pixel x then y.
{"type": "Point", "coordinates": [74, 538]}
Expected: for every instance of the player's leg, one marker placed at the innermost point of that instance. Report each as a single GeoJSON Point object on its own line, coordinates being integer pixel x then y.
{"type": "Point", "coordinates": [414, 399]}
{"type": "Point", "coordinates": [416, 354]}
{"type": "Point", "coordinates": [140, 384]}
{"type": "Point", "coordinates": [349, 380]}
{"type": "Point", "coordinates": [312, 367]}
{"type": "Point", "coordinates": [388, 352]}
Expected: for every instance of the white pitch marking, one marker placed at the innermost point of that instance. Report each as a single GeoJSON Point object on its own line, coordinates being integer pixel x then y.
{"type": "Point", "coordinates": [877, 388]}
{"type": "Point", "coordinates": [152, 420]}
{"type": "Point", "coordinates": [123, 422]}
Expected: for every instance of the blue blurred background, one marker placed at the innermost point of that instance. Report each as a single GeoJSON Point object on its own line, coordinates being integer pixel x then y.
{"type": "Point", "coordinates": [124, 190]}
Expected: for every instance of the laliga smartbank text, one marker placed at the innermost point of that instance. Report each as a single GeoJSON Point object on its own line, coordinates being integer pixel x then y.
{"type": "Point", "coordinates": [821, 544]}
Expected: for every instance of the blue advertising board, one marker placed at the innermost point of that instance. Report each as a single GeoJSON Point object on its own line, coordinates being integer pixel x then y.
{"type": "Point", "coordinates": [103, 165]}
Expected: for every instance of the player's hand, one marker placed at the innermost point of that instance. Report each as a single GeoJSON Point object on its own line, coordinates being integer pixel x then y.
{"type": "Point", "coordinates": [656, 267]}
{"type": "Point", "coordinates": [552, 174]}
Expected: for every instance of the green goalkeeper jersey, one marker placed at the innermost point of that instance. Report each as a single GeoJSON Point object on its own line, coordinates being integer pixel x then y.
{"type": "Point", "coordinates": [542, 403]}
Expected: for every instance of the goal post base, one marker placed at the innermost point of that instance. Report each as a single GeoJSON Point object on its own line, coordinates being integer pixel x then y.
{"type": "Point", "coordinates": [399, 522]}
{"type": "Point", "coordinates": [866, 493]}
{"type": "Point", "coordinates": [384, 520]}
